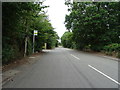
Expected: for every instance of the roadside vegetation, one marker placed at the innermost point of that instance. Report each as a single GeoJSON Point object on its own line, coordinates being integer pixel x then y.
{"type": "Point", "coordinates": [93, 26]}
{"type": "Point", "coordinates": [19, 20]}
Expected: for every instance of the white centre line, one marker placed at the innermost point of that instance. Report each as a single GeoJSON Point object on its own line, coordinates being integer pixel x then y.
{"type": "Point", "coordinates": [104, 74]}
{"type": "Point", "coordinates": [74, 56]}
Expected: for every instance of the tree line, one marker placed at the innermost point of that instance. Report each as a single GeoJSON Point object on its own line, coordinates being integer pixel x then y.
{"type": "Point", "coordinates": [19, 20]}
{"type": "Point", "coordinates": [93, 26]}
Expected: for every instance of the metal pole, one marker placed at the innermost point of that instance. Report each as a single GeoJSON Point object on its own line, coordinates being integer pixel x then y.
{"type": "Point", "coordinates": [33, 42]}
{"type": "Point", "coordinates": [35, 32]}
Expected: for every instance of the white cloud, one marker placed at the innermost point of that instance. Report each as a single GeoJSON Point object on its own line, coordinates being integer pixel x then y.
{"type": "Point", "coordinates": [57, 12]}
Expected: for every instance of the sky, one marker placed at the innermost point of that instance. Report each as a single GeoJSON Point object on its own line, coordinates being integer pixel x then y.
{"type": "Point", "coordinates": [56, 12]}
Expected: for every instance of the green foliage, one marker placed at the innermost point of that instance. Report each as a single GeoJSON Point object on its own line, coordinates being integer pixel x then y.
{"type": "Point", "coordinates": [118, 55]}
{"type": "Point", "coordinates": [8, 53]}
{"type": "Point", "coordinates": [87, 48]}
{"type": "Point", "coordinates": [19, 20]}
{"type": "Point", "coordinates": [66, 40]}
{"type": "Point", "coordinates": [112, 47]}
{"type": "Point", "coordinates": [29, 47]}
{"type": "Point", "coordinates": [93, 23]}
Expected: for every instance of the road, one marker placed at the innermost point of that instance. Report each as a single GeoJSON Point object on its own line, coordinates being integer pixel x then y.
{"type": "Point", "coordinates": [67, 68]}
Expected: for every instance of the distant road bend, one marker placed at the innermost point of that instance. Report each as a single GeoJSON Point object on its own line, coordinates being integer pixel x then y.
{"type": "Point", "coordinates": [67, 68]}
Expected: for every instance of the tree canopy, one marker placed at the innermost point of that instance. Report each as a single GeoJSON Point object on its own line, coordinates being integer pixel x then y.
{"type": "Point", "coordinates": [19, 20]}
{"type": "Point", "coordinates": [93, 24]}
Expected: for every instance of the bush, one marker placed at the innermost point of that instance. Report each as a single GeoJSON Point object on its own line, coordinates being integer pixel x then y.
{"type": "Point", "coordinates": [87, 48]}
{"type": "Point", "coordinates": [118, 55]}
{"type": "Point", "coordinates": [111, 49]}
{"type": "Point", "coordinates": [29, 48]}
{"type": "Point", "coordinates": [108, 53]}
{"type": "Point", "coordinates": [8, 54]}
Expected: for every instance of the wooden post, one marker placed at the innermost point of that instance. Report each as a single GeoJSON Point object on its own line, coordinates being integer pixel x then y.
{"type": "Point", "coordinates": [45, 45]}
{"type": "Point", "coordinates": [33, 42]}
{"type": "Point", "coordinates": [26, 40]}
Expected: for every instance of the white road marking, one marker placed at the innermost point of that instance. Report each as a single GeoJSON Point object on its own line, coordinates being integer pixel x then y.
{"type": "Point", "coordinates": [104, 74]}
{"type": "Point", "coordinates": [75, 56]}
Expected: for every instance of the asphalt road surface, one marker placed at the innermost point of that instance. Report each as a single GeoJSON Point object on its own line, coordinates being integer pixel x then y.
{"type": "Point", "coordinates": [67, 68]}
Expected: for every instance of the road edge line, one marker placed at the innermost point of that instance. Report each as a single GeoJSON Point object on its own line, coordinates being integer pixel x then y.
{"type": "Point", "coordinates": [104, 74]}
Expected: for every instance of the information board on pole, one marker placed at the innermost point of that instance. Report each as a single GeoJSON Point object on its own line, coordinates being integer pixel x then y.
{"type": "Point", "coordinates": [35, 32]}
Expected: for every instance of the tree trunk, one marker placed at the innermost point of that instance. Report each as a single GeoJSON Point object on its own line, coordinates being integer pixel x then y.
{"type": "Point", "coordinates": [26, 39]}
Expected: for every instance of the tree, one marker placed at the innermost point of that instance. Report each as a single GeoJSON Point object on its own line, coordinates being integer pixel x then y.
{"type": "Point", "coordinates": [67, 40]}
{"type": "Point", "coordinates": [93, 24]}
{"type": "Point", "coordinates": [19, 21]}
